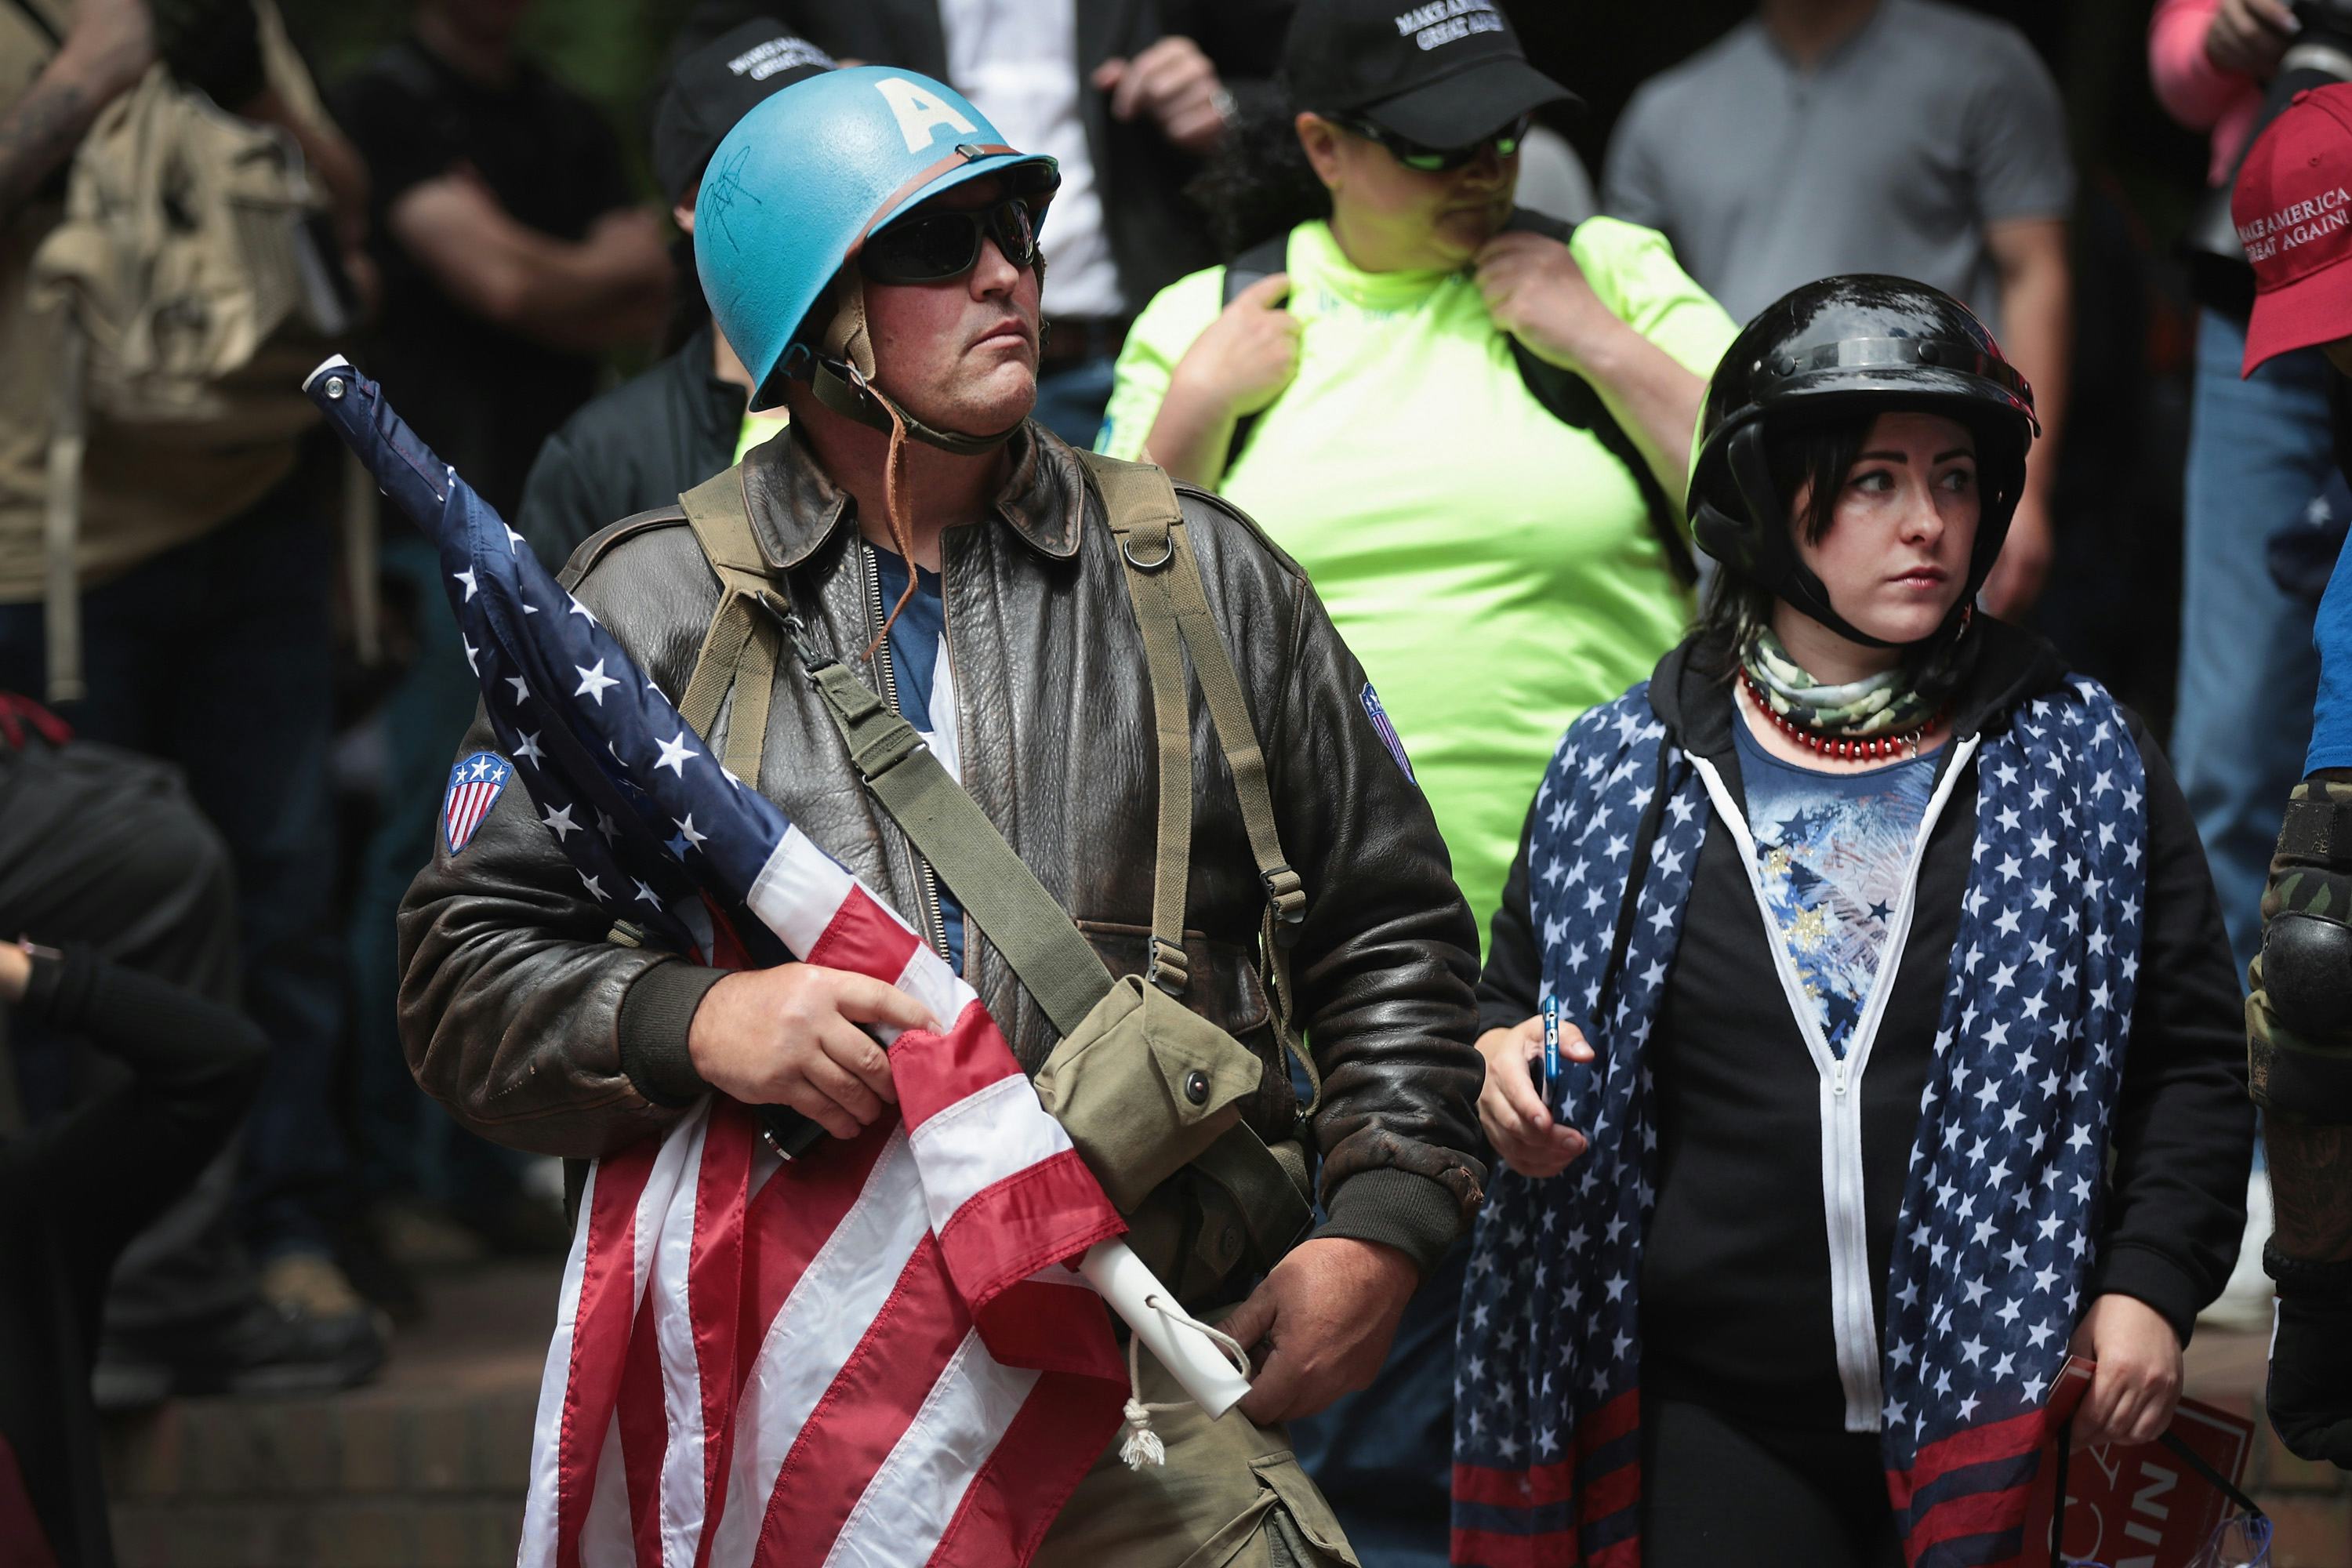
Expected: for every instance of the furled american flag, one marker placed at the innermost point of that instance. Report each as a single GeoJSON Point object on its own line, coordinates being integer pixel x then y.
{"type": "Point", "coordinates": [874, 1356]}
{"type": "Point", "coordinates": [1996, 1234]}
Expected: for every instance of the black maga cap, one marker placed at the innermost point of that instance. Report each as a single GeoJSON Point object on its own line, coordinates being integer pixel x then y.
{"type": "Point", "coordinates": [1443, 73]}
{"type": "Point", "coordinates": [715, 86]}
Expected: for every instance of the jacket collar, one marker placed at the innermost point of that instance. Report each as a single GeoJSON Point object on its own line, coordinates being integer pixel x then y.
{"type": "Point", "coordinates": [797, 508]}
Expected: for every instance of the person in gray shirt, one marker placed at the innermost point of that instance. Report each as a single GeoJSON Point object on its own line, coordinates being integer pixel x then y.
{"type": "Point", "coordinates": [1902, 136]}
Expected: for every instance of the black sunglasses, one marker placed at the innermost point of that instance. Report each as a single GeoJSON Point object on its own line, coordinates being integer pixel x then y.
{"type": "Point", "coordinates": [944, 242]}
{"type": "Point", "coordinates": [1438, 160]}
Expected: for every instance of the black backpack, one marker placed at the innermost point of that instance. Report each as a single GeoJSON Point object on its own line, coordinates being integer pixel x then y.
{"type": "Point", "coordinates": [1568, 396]}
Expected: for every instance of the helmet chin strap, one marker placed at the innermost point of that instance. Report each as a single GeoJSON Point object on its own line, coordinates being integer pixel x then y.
{"type": "Point", "coordinates": [1778, 567]}
{"type": "Point", "coordinates": [841, 375]}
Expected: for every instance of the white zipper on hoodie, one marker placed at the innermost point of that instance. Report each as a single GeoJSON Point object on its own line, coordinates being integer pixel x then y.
{"type": "Point", "coordinates": [1854, 1295]}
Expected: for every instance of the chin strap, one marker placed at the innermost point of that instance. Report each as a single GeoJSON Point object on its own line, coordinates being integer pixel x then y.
{"type": "Point", "coordinates": [1769, 555]}
{"type": "Point", "coordinates": [1773, 553]}
{"type": "Point", "coordinates": [842, 376]}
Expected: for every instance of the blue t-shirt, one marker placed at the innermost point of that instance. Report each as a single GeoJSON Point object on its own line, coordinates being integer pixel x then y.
{"type": "Point", "coordinates": [918, 659]}
{"type": "Point", "coordinates": [1832, 849]}
{"type": "Point", "coordinates": [2331, 718]}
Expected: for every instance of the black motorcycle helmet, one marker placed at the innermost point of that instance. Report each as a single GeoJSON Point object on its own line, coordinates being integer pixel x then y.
{"type": "Point", "coordinates": [1858, 345]}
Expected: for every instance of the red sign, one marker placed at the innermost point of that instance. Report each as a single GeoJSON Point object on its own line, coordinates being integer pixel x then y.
{"type": "Point", "coordinates": [2143, 1508]}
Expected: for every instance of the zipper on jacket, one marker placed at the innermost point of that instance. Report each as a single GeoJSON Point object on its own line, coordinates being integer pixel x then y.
{"type": "Point", "coordinates": [1854, 1294]}
{"type": "Point", "coordinates": [935, 924]}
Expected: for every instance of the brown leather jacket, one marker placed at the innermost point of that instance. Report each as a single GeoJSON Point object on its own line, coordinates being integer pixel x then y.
{"type": "Point", "coordinates": [537, 1031]}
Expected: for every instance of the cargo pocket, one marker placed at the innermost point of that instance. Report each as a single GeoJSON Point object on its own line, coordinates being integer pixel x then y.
{"type": "Point", "coordinates": [1300, 1524]}
{"type": "Point", "coordinates": [1286, 1525]}
{"type": "Point", "coordinates": [1143, 1086]}
{"type": "Point", "coordinates": [1226, 989]}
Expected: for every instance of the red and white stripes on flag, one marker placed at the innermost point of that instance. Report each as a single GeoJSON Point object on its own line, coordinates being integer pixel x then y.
{"type": "Point", "coordinates": [871, 1356]}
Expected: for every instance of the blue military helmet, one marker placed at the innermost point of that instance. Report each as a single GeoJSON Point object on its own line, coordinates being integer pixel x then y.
{"type": "Point", "coordinates": [793, 191]}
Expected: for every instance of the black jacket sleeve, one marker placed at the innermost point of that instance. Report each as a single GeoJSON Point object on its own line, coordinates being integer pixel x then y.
{"type": "Point", "coordinates": [2184, 1129]}
{"type": "Point", "coordinates": [1386, 956]}
{"type": "Point", "coordinates": [172, 1072]}
{"type": "Point", "coordinates": [1510, 987]}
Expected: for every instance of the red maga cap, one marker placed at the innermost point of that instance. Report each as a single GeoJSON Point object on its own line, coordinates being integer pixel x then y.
{"type": "Point", "coordinates": [2293, 208]}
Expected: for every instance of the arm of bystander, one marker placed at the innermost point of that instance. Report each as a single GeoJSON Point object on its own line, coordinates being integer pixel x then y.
{"type": "Point", "coordinates": [607, 289]}
{"type": "Point", "coordinates": [108, 47]}
{"type": "Point", "coordinates": [1614, 306]}
{"type": "Point", "coordinates": [2037, 312]}
{"type": "Point", "coordinates": [2013, 139]}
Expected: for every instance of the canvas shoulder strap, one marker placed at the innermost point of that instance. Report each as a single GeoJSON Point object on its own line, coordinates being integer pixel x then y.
{"type": "Point", "coordinates": [739, 645]}
{"type": "Point", "coordinates": [1171, 610]}
{"type": "Point", "coordinates": [1163, 579]}
{"type": "Point", "coordinates": [1002, 896]}
{"type": "Point", "coordinates": [50, 31]}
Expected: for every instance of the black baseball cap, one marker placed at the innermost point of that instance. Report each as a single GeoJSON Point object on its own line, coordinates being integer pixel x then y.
{"type": "Point", "coordinates": [714, 86]}
{"type": "Point", "coordinates": [1443, 73]}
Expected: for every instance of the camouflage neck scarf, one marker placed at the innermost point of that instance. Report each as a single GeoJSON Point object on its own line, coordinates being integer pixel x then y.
{"type": "Point", "coordinates": [1892, 702]}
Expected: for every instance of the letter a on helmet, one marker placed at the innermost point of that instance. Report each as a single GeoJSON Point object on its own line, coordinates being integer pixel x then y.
{"type": "Point", "coordinates": [920, 116]}
{"type": "Point", "coordinates": [794, 190]}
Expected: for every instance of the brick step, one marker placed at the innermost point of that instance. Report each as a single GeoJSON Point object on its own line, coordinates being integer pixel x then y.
{"type": "Point", "coordinates": [374, 1443]}
{"type": "Point", "coordinates": [426, 1467]}
{"type": "Point", "coordinates": [349, 1533]}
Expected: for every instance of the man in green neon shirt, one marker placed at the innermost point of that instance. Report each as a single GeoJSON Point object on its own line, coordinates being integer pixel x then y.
{"type": "Point", "coordinates": [1496, 569]}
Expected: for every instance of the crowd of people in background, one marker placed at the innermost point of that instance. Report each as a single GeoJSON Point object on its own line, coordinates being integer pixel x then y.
{"type": "Point", "coordinates": [1453, 376]}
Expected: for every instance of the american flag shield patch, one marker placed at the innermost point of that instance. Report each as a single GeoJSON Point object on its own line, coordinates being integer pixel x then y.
{"type": "Point", "coordinates": [475, 785]}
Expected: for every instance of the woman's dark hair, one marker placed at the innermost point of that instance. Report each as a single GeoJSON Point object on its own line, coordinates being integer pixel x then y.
{"type": "Point", "coordinates": [1258, 183]}
{"type": "Point", "coordinates": [1818, 453]}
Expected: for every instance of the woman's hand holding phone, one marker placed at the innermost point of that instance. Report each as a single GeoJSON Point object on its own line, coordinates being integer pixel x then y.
{"type": "Point", "coordinates": [1511, 1110]}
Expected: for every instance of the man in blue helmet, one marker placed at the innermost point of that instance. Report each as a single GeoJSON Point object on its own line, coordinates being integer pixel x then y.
{"type": "Point", "coordinates": [914, 558]}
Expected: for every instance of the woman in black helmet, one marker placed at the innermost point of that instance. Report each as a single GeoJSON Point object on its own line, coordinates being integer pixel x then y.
{"type": "Point", "coordinates": [1896, 1043]}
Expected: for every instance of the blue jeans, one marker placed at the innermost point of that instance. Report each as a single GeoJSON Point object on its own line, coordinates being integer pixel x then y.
{"type": "Point", "coordinates": [406, 1143]}
{"type": "Point", "coordinates": [2259, 451]}
{"type": "Point", "coordinates": [216, 655]}
{"type": "Point", "coordinates": [1384, 1458]}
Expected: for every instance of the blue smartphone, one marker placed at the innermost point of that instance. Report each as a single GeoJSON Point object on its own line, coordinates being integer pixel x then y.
{"type": "Point", "coordinates": [1552, 1045]}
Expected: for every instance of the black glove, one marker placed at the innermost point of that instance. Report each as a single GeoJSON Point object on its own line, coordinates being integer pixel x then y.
{"type": "Point", "coordinates": [212, 45]}
{"type": "Point", "coordinates": [2310, 1395]}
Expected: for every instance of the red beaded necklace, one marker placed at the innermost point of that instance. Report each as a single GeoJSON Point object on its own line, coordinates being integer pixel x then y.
{"type": "Point", "coordinates": [1841, 747]}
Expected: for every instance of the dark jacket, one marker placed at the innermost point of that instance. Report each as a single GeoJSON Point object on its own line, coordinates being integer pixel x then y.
{"type": "Point", "coordinates": [1736, 1270]}
{"type": "Point", "coordinates": [156, 1078]}
{"type": "Point", "coordinates": [1156, 235]}
{"type": "Point", "coordinates": [640, 446]}
{"type": "Point", "coordinates": [538, 1032]}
